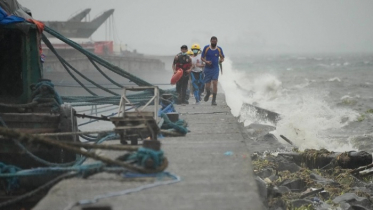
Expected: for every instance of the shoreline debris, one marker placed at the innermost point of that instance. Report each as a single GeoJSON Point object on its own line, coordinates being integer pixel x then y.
{"type": "Point", "coordinates": [314, 179]}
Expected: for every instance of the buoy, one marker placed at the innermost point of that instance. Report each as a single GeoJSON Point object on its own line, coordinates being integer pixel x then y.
{"type": "Point", "coordinates": [177, 76]}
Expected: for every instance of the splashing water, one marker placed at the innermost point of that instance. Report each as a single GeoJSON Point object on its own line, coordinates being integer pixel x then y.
{"type": "Point", "coordinates": [306, 118]}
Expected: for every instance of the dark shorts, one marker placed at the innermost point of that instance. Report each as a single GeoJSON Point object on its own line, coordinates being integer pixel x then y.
{"type": "Point", "coordinates": [211, 74]}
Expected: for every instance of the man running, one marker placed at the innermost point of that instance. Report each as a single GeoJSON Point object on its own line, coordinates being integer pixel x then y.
{"type": "Point", "coordinates": [197, 74]}
{"type": "Point", "coordinates": [210, 55]}
{"type": "Point", "coordinates": [182, 61]}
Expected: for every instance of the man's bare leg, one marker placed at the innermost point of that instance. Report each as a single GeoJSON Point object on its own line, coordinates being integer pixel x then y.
{"type": "Point", "coordinates": [215, 86]}
{"type": "Point", "coordinates": [207, 87]}
{"type": "Point", "coordinates": [214, 91]}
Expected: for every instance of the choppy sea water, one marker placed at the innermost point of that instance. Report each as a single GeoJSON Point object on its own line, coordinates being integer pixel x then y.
{"type": "Point", "coordinates": [325, 101]}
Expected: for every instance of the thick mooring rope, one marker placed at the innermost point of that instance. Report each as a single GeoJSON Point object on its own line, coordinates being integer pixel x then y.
{"type": "Point", "coordinates": [12, 134]}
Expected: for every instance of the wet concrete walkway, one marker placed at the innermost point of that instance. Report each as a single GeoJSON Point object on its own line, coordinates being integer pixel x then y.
{"type": "Point", "coordinates": [213, 161]}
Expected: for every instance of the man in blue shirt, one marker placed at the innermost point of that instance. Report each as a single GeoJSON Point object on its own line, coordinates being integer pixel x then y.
{"type": "Point", "coordinates": [211, 55]}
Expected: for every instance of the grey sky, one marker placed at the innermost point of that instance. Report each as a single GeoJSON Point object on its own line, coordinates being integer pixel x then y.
{"type": "Point", "coordinates": [242, 26]}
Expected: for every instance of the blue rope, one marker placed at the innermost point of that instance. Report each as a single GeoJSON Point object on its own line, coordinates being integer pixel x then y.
{"type": "Point", "coordinates": [34, 156]}
{"type": "Point", "coordinates": [81, 169]}
{"type": "Point", "coordinates": [144, 154]}
{"type": "Point", "coordinates": [175, 179]}
{"type": "Point", "coordinates": [78, 161]}
{"type": "Point", "coordinates": [97, 59]}
{"type": "Point", "coordinates": [50, 86]}
{"type": "Point", "coordinates": [179, 126]}
{"type": "Point", "coordinates": [39, 94]}
{"type": "Point", "coordinates": [40, 160]}
{"type": "Point", "coordinates": [11, 180]}
{"type": "Point", "coordinates": [94, 138]}
{"type": "Point", "coordinates": [169, 108]}
{"type": "Point", "coordinates": [140, 98]}
{"type": "Point", "coordinates": [88, 138]}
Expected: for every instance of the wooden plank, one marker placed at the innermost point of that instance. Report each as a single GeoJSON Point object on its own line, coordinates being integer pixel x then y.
{"type": "Point", "coordinates": [74, 133]}
{"type": "Point", "coordinates": [139, 114]}
{"type": "Point", "coordinates": [131, 127]}
{"type": "Point", "coordinates": [134, 120]}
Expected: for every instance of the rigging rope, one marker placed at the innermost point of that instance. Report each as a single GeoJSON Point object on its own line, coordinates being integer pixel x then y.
{"type": "Point", "coordinates": [96, 58]}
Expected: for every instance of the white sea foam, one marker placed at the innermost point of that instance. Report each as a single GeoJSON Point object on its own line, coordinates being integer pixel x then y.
{"type": "Point", "coordinates": [334, 79]}
{"type": "Point", "coordinates": [304, 112]}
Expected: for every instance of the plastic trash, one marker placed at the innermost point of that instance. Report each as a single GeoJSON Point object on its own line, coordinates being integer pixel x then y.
{"type": "Point", "coordinates": [228, 153]}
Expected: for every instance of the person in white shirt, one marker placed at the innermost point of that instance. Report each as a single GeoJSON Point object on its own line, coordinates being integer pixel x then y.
{"type": "Point", "coordinates": [197, 72]}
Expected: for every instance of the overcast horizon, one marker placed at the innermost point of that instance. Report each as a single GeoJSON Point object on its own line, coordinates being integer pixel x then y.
{"type": "Point", "coordinates": [242, 26]}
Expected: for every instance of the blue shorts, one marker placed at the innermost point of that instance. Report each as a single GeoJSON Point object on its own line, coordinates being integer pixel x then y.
{"type": "Point", "coordinates": [211, 74]}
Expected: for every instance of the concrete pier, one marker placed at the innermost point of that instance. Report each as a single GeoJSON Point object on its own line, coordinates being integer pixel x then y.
{"type": "Point", "coordinates": [213, 161]}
